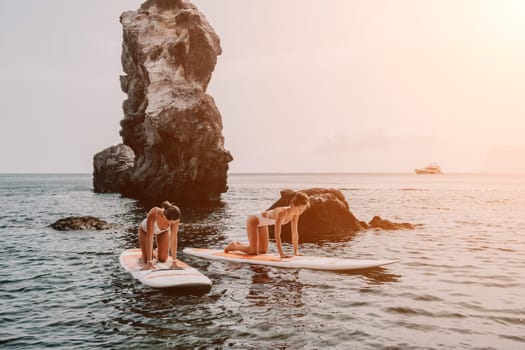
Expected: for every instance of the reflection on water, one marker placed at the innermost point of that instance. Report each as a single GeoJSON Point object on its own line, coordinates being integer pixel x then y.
{"type": "Point", "coordinates": [166, 318]}
{"type": "Point", "coordinates": [281, 289]}
{"type": "Point", "coordinates": [376, 275]}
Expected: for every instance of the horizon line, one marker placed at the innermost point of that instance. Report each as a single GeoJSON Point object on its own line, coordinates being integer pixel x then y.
{"type": "Point", "coordinates": [298, 173]}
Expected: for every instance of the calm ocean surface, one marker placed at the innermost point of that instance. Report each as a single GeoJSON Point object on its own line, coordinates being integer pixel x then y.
{"type": "Point", "coordinates": [460, 283]}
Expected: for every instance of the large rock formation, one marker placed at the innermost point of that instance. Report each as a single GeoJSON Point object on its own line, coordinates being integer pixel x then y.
{"type": "Point", "coordinates": [171, 125]}
{"type": "Point", "coordinates": [328, 217]}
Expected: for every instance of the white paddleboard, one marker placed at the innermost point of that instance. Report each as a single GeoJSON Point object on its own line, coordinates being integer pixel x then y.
{"type": "Point", "coordinates": [296, 262]}
{"type": "Point", "coordinates": [163, 276]}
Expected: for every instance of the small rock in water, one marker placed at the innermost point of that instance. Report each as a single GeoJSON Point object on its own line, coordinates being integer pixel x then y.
{"type": "Point", "coordinates": [328, 216]}
{"type": "Point", "coordinates": [383, 224]}
{"type": "Point", "coordinates": [81, 223]}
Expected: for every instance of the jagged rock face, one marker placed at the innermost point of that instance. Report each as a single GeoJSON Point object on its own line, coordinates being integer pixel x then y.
{"type": "Point", "coordinates": [174, 128]}
{"type": "Point", "coordinates": [328, 217]}
{"type": "Point", "coordinates": [112, 168]}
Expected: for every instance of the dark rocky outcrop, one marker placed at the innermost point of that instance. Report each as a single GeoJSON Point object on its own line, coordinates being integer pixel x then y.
{"type": "Point", "coordinates": [171, 125]}
{"type": "Point", "coordinates": [328, 217]}
{"type": "Point", "coordinates": [112, 168]}
{"type": "Point", "coordinates": [81, 223]}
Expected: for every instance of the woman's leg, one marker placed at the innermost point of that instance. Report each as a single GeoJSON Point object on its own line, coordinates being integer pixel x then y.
{"type": "Point", "coordinates": [264, 237]}
{"type": "Point", "coordinates": [251, 228]}
{"type": "Point", "coordinates": [163, 246]}
{"type": "Point", "coordinates": [252, 224]}
{"type": "Point", "coordinates": [143, 243]}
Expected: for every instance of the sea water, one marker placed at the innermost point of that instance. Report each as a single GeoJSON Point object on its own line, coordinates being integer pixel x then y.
{"type": "Point", "coordinates": [460, 282]}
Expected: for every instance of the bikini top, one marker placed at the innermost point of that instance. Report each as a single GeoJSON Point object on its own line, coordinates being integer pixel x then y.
{"type": "Point", "coordinates": [156, 228]}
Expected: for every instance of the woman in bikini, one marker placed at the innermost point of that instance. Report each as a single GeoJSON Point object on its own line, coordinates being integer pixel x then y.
{"type": "Point", "coordinates": [257, 228]}
{"type": "Point", "coordinates": [163, 224]}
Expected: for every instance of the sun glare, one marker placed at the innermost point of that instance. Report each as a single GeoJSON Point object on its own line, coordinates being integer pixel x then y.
{"type": "Point", "coordinates": [503, 18]}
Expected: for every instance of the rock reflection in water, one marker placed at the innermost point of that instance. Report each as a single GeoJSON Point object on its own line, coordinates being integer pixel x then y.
{"type": "Point", "coordinates": [275, 288]}
{"type": "Point", "coordinates": [376, 275]}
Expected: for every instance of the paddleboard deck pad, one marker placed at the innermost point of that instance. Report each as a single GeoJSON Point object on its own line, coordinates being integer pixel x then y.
{"type": "Point", "coordinates": [163, 276]}
{"type": "Point", "coordinates": [296, 262]}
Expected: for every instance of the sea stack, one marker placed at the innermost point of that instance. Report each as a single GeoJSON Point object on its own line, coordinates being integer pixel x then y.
{"type": "Point", "coordinates": [171, 128]}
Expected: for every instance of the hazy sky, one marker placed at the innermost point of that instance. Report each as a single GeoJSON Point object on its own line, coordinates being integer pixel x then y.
{"type": "Point", "coordinates": [333, 85]}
